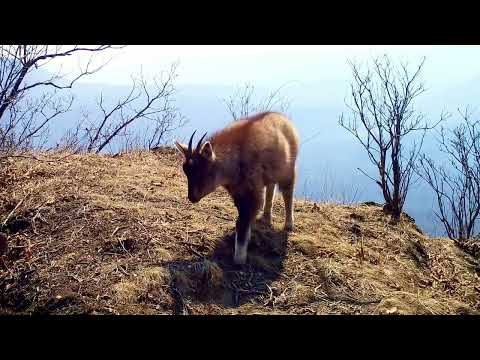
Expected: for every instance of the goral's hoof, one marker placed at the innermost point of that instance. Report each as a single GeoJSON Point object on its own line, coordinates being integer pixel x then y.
{"type": "Point", "coordinates": [238, 259]}
{"type": "Point", "coordinates": [267, 221]}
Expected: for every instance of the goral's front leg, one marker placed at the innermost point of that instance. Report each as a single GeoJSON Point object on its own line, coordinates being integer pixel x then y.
{"type": "Point", "coordinates": [242, 238]}
{"type": "Point", "coordinates": [248, 206]}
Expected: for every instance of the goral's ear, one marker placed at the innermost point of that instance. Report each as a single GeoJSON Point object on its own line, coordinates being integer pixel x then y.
{"type": "Point", "coordinates": [183, 148]}
{"type": "Point", "coordinates": [207, 151]}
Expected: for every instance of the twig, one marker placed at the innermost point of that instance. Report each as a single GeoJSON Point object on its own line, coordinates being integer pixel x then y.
{"type": "Point", "coordinates": [2, 257]}
{"type": "Point", "coordinates": [31, 157]}
{"type": "Point", "coordinates": [121, 269]}
{"type": "Point", "coordinates": [246, 291]}
{"type": "Point", "coordinates": [224, 218]}
{"type": "Point", "coordinates": [148, 234]}
{"type": "Point", "coordinates": [271, 295]}
{"type": "Point", "coordinates": [109, 253]}
{"type": "Point", "coordinates": [25, 157]}
{"type": "Point", "coordinates": [26, 246]}
{"type": "Point", "coordinates": [13, 211]}
{"type": "Point", "coordinates": [194, 251]}
{"type": "Point", "coordinates": [75, 278]}
{"type": "Point", "coordinates": [181, 300]}
{"type": "Point", "coordinates": [115, 231]}
{"type": "Point", "coordinates": [347, 298]}
{"type": "Point", "coordinates": [123, 246]}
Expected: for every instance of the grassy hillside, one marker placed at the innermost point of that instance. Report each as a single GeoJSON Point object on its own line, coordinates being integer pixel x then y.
{"type": "Point", "coordinates": [100, 235]}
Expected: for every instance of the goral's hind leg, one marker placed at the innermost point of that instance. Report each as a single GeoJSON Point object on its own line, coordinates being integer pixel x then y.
{"type": "Point", "coordinates": [269, 198]}
{"type": "Point", "coordinates": [287, 192]}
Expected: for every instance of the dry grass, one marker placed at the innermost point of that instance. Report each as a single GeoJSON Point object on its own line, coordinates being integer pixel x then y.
{"type": "Point", "coordinates": [100, 234]}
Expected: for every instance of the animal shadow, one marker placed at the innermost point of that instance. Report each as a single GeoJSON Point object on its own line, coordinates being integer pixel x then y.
{"type": "Point", "coordinates": [215, 279]}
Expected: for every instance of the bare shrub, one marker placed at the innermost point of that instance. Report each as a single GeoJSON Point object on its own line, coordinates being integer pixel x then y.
{"type": "Point", "coordinates": [456, 183]}
{"type": "Point", "coordinates": [148, 105]}
{"type": "Point", "coordinates": [243, 102]}
{"type": "Point", "coordinates": [382, 118]}
{"type": "Point", "coordinates": [30, 97]}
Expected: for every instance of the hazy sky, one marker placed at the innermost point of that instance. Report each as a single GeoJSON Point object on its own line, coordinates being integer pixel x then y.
{"type": "Point", "coordinates": [269, 65]}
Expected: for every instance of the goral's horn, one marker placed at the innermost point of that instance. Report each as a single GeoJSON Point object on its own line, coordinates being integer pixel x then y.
{"type": "Point", "coordinates": [200, 143]}
{"type": "Point", "coordinates": [190, 143]}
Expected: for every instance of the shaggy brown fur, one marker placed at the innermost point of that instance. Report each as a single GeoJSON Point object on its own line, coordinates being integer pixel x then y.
{"type": "Point", "coordinates": [247, 157]}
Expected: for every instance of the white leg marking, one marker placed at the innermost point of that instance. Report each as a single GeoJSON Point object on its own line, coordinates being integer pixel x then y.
{"type": "Point", "coordinates": [240, 256]}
